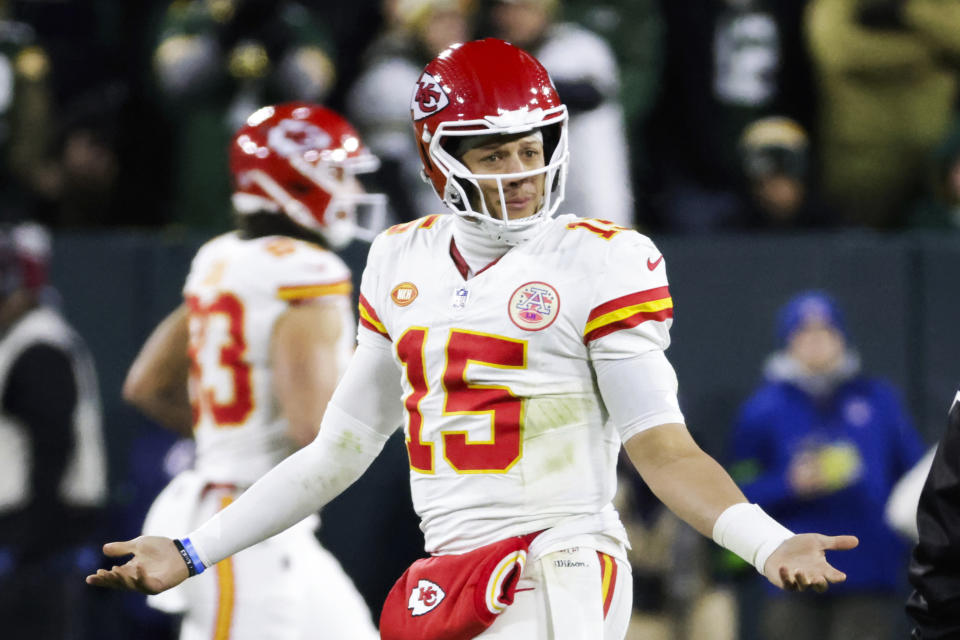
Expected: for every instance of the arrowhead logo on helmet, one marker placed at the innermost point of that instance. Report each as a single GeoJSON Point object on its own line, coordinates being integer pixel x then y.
{"type": "Point", "coordinates": [428, 97]}
{"type": "Point", "coordinates": [291, 137]}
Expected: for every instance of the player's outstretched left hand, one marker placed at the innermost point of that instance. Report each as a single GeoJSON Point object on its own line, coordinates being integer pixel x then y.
{"type": "Point", "coordinates": [801, 562]}
{"type": "Point", "coordinates": [156, 566]}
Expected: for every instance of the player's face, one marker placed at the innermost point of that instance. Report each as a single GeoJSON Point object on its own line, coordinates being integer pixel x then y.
{"type": "Point", "coordinates": [522, 196]}
{"type": "Point", "coordinates": [818, 346]}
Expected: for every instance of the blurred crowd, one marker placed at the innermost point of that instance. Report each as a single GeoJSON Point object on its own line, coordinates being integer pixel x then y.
{"type": "Point", "coordinates": [694, 117]}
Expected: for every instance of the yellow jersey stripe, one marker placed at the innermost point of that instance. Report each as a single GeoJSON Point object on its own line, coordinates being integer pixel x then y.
{"type": "Point", "coordinates": [607, 573]}
{"type": "Point", "coordinates": [342, 288]}
{"type": "Point", "coordinates": [226, 593]}
{"type": "Point", "coordinates": [625, 312]}
{"type": "Point", "coordinates": [369, 318]}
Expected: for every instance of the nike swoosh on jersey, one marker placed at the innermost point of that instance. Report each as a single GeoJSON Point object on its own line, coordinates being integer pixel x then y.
{"type": "Point", "coordinates": [651, 264]}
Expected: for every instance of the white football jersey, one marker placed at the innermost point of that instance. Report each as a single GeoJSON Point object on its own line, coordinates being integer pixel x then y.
{"type": "Point", "coordinates": [506, 430]}
{"type": "Point", "coordinates": [235, 292]}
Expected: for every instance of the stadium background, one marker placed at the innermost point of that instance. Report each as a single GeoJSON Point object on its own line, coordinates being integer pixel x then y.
{"type": "Point", "coordinates": [120, 271]}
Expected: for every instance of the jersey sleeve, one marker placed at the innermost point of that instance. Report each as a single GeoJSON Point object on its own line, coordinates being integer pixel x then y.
{"type": "Point", "coordinates": [198, 265]}
{"type": "Point", "coordinates": [304, 273]}
{"type": "Point", "coordinates": [370, 329]}
{"type": "Point", "coordinates": [632, 310]}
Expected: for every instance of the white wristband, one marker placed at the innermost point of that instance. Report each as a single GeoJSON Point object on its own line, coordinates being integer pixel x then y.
{"type": "Point", "coordinates": [750, 533]}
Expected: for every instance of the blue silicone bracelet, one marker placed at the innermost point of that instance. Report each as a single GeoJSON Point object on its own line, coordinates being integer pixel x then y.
{"type": "Point", "coordinates": [195, 565]}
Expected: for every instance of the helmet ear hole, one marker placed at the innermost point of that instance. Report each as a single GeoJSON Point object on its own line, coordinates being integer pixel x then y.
{"type": "Point", "coordinates": [450, 145]}
{"type": "Point", "coordinates": [455, 195]}
{"type": "Point", "coordinates": [551, 139]}
{"type": "Point", "coordinates": [300, 188]}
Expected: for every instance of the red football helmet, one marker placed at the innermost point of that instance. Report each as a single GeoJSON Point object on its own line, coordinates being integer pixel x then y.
{"type": "Point", "coordinates": [488, 87]}
{"type": "Point", "coordinates": [301, 160]}
{"type": "Point", "coordinates": [24, 258]}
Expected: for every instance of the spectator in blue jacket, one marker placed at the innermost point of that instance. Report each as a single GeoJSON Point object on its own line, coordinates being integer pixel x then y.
{"type": "Point", "coordinates": [819, 446]}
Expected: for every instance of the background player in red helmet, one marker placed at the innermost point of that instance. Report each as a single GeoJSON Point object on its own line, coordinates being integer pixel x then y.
{"type": "Point", "coordinates": [261, 339]}
{"type": "Point", "coordinates": [526, 350]}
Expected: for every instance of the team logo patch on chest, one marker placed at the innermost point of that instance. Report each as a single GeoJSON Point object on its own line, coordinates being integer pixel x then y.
{"type": "Point", "coordinates": [404, 293]}
{"type": "Point", "coordinates": [424, 597]}
{"type": "Point", "coordinates": [534, 306]}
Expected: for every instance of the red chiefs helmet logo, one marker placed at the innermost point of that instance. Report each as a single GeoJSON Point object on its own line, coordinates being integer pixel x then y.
{"type": "Point", "coordinates": [428, 97]}
{"type": "Point", "coordinates": [292, 137]}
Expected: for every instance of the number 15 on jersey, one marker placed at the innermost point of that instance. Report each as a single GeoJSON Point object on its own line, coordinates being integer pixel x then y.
{"type": "Point", "coordinates": [461, 398]}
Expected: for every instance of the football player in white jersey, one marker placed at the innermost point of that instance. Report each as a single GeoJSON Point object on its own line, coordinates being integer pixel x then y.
{"type": "Point", "coordinates": [262, 337]}
{"type": "Point", "coordinates": [523, 350]}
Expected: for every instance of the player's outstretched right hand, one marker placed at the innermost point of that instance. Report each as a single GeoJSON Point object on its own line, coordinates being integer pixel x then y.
{"type": "Point", "coordinates": [156, 566]}
{"type": "Point", "coordinates": [800, 562]}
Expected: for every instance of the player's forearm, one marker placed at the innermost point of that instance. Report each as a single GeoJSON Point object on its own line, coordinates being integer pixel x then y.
{"type": "Point", "coordinates": [170, 410]}
{"type": "Point", "coordinates": [360, 418]}
{"type": "Point", "coordinates": [692, 485]}
{"type": "Point", "coordinates": [156, 382]}
{"type": "Point", "coordinates": [294, 489]}
{"type": "Point", "coordinates": [700, 491]}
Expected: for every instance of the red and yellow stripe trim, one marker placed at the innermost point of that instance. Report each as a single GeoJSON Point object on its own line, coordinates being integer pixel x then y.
{"type": "Point", "coordinates": [226, 592]}
{"type": "Point", "coordinates": [369, 318]}
{"type": "Point", "coordinates": [305, 291]}
{"type": "Point", "coordinates": [425, 222]}
{"type": "Point", "coordinates": [628, 311]}
{"type": "Point", "coordinates": [608, 580]}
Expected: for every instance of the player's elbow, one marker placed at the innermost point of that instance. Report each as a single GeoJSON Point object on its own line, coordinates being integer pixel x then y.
{"type": "Point", "coordinates": [302, 432]}
{"type": "Point", "coordinates": [138, 391]}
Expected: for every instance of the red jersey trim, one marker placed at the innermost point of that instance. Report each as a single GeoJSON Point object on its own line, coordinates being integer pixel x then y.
{"type": "Point", "coordinates": [628, 311]}
{"type": "Point", "coordinates": [370, 319]}
{"type": "Point", "coordinates": [462, 265]}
